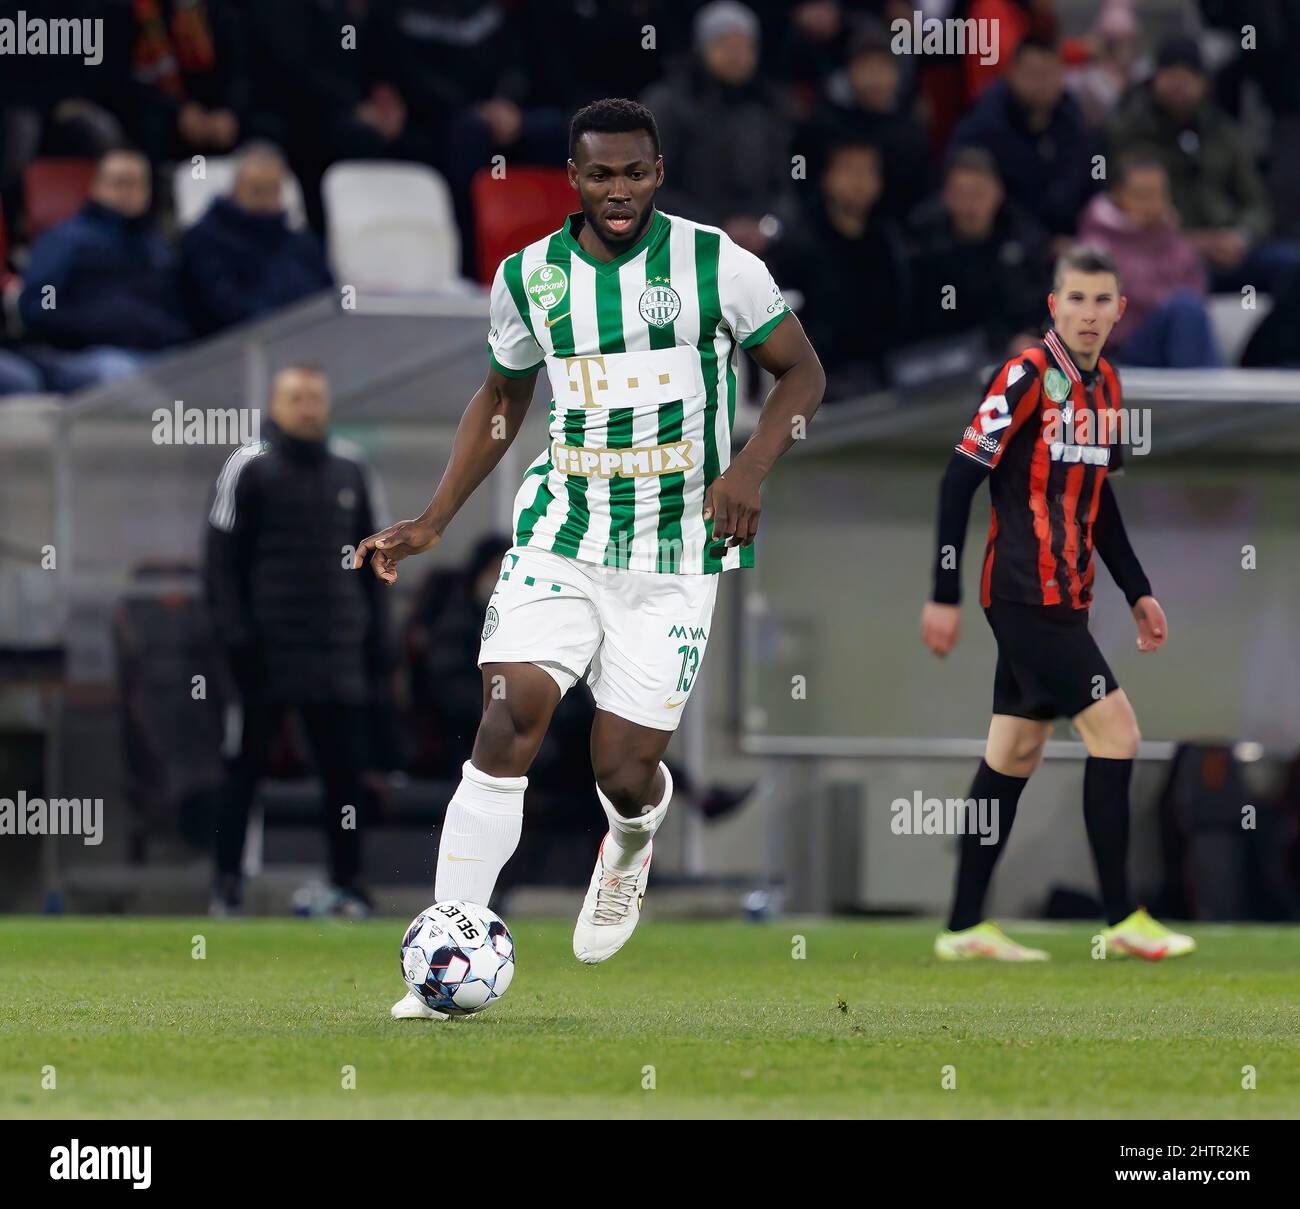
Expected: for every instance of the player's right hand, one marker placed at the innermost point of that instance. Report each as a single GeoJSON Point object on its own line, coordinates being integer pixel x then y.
{"type": "Point", "coordinates": [940, 626]}
{"type": "Point", "coordinates": [389, 546]}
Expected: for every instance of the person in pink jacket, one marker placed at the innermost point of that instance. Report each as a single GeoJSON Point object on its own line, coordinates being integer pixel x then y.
{"type": "Point", "coordinates": [1166, 323]}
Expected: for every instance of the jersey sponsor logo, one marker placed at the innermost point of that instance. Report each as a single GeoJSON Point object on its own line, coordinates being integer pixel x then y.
{"type": "Point", "coordinates": [490, 622]}
{"type": "Point", "coordinates": [1056, 385]}
{"type": "Point", "coordinates": [1089, 455]}
{"type": "Point", "coordinates": [546, 287]}
{"type": "Point", "coordinates": [644, 378]}
{"type": "Point", "coordinates": [643, 462]}
{"type": "Point", "coordinates": [660, 304]}
{"type": "Point", "coordinates": [994, 413]}
{"type": "Point", "coordinates": [695, 632]}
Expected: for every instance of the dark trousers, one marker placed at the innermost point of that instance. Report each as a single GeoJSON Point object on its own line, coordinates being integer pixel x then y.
{"type": "Point", "coordinates": [335, 734]}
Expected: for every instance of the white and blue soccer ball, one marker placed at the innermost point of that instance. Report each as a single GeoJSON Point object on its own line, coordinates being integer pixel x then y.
{"type": "Point", "coordinates": [458, 957]}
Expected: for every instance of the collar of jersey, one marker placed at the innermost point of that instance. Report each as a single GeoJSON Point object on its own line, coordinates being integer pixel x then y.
{"type": "Point", "coordinates": [655, 230]}
{"type": "Point", "coordinates": [1085, 375]}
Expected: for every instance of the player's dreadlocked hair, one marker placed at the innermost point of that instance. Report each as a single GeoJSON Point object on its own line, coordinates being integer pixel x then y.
{"type": "Point", "coordinates": [613, 115]}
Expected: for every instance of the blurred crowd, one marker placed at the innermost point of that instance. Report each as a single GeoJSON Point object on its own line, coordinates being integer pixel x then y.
{"type": "Point", "coordinates": [903, 200]}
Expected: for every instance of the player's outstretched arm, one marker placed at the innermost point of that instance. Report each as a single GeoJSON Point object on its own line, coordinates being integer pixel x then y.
{"type": "Point", "coordinates": [486, 431]}
{"type": "Point", "coordinates": [735, 500]}
{"type": "Point", "coordinates": [1110, 539]}
{"type": "Point", "coordinates": [941, 614]}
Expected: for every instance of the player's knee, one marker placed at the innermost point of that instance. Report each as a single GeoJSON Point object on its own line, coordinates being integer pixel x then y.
{"type": "Point", "coordinates": [627, 786]}
{"type": "Point", "coordinates": [1028, 750]}
{"type": "Point", "coordinates": [506, 737]}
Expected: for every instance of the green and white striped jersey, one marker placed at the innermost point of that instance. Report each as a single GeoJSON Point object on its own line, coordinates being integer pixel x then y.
{"type": "Point", "coordinates": [641, 352]}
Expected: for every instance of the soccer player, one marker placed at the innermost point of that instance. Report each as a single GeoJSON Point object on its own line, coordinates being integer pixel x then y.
{"type": "Point", "coordinates": [1045, 437]}
{"type": "Point", "coordinates": [624, 521]}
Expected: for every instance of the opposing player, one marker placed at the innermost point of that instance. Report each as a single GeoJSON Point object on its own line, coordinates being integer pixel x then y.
{"type": "Point", "coordinates": [1046, 437]}
{"type": "Point", "coordinates": [625, 520]}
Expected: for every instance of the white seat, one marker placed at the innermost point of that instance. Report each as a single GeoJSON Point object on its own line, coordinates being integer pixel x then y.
{"type": "Point", "coordinates": [390, 227]}
{"type": "Point", "coordinates": [192, 197]}
{"type": "Point", "coordinates": [1234, 325]}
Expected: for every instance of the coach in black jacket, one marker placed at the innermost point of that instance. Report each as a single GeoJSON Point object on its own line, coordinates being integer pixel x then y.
{"type": "Point", "coordinates": [300, 631]}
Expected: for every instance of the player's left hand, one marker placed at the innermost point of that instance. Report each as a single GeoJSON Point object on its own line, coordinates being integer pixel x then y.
{"type": "Point", "coordinates": [1153, 629]}
{"type": "Point", "coordinates": [733, 504]}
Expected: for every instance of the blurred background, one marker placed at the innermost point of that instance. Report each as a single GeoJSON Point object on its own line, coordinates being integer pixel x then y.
{"type": "Point", "coordinates": [332, 182]}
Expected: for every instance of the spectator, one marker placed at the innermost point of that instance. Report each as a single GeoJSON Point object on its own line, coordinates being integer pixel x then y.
{"type": "Point", "coordinates": [601, 49]}
{"type": "Point", "coordinates": [1165, 323]}
{"type": "Point", "coordinates": [804, 43]}
{"type": "Point", "coordinates": [60, 106]}
{"type": "Point", "coordinates": [862, 103]}
{"type": "Point", "coordinates": [1276, 341]}
{"type": "Point", "coordinates": [1015, 21]}
{"type": "Point", "coordinates": [992, 255]}
{"type": "Point", "coordinates": [192, 89]}
{"type": "Point", "coordinates": [1100, 83]}
{"type": "Point", "coordinates": [849, 264]}
{"type": "Point", "coordinates": [318, 90]}
{"type": "Point", "coordinates": [301, 632]}
{"type": "Point", "coordinates": [1037, 135]}
{"type": "Point", "coordinates": [1216, 188]}
{"type": "Point", "coordinates": [724, 133]}
{"type": "Point", "coordinates": [103, 288]}
{"type": "Point", "coordinates": [463, 71]}
{"type": "Point", "coordinates": [241, 259]}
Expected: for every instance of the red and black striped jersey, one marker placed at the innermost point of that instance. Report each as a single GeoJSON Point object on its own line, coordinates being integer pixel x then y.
{"type": "Point", "coordinates": [1049, 433]}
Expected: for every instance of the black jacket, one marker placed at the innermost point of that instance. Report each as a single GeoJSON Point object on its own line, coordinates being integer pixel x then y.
{"type": "Point", "coordinates": [115, 281]}
{"type": "Point", "coordinates": [298, 624]}
{"type": "Point", "coordinates": [240, 265]}
{"type": "Point", "coordinates": [1000, 283]}
{"type": "Point", "coordinates": [1047, 172]}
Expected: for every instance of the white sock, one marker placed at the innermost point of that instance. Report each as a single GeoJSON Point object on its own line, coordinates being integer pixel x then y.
{"type": "Point", "coordinates": [628, 838]}
{"type": "Point", "coordinates": [480, 833]}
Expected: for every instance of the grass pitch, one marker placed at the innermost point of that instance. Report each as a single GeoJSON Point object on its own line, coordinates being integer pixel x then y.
{"type": "Point", "coordinates": [730, 1023]}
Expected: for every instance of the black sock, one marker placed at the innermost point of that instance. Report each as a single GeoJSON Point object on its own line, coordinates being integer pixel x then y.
{"type": "Point", "coordinates": [975, 865]}
{"type": "Point", "coordinates": [1105, 814]}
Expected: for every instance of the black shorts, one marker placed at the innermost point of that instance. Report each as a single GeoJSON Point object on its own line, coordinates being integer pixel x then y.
{"type": "Point", "coordinates": [1049, 665]}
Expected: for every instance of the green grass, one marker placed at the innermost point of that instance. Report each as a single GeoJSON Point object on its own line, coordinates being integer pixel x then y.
{"type": "Point", "coordinates": [731, 1024]}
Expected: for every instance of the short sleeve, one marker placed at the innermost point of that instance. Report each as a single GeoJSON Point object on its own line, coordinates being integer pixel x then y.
{"type": "Point", "coordinates": [512, 348]}
{"type": "Point", "coordinates": [751, 300]}
{"type": "Point", "coordinates": [1009, 401]}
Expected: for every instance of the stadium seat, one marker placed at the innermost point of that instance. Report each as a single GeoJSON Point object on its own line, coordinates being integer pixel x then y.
{"type": "Point", "coordinates": [1233, 324]}
{"type": "Point", "coordinates": [192, 197]}
{"type": "Point", "coordinates": [524, 205]}
{"type": "Point", "coordinates": [390, 226]}
{"type": "Point", "coordinates": [54, 190]}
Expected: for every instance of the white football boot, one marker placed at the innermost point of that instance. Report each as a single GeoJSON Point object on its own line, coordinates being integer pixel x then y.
{"type": "Point", "coordinates": [412, 1007]}
{"type": "Point", "coordinates": [611, 910]}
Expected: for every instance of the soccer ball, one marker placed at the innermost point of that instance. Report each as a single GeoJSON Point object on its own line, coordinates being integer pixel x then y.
{"type": "Point", "coordinates": [458, 957]}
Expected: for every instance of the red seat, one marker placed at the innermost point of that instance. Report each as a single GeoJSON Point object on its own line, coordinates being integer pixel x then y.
{"type": "Point", "coordinates": [521, 207]}
{"type": "Point", "coordinates": [54, 190]}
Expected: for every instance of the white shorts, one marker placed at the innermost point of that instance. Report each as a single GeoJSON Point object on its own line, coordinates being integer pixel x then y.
{"type": "Point", "coordinates": [637, 636]}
